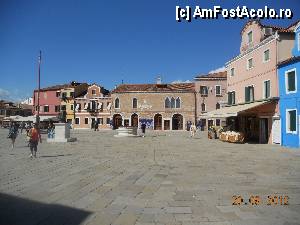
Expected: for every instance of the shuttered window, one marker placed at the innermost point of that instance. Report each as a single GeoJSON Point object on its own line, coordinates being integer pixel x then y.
{"type": "Point", "coordinates": [249, 94]}
{"type": "Point", "coordinates": [267, 89]}
{"type": "Point", "coordinates": [292, 120]}
{"type": "Point", "coordinates": [291, 81]}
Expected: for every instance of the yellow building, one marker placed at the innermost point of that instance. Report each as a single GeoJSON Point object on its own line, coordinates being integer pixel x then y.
{"type": "Point", "coordinates": [67, 95]}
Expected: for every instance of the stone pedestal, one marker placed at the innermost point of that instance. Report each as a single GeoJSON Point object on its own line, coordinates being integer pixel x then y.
{"type": "Point", "coordinates": [126, 132]}
{"type": "Point", "coordinates": [62, 133]}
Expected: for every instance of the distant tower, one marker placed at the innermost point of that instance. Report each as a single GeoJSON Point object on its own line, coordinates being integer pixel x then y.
{"type": "Point", "coordinates": [158, 80]}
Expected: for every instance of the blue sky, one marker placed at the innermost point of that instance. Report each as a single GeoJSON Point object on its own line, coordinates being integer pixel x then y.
{"type": "Point", "coordinates": [110, 41]}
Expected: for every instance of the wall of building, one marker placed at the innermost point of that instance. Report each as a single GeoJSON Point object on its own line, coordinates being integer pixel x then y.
{"type": "Point", "coordinates": [47, 98]}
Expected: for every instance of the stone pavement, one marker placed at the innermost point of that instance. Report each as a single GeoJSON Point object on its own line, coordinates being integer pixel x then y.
{"type": "Point", "coordinates": [164, 178]}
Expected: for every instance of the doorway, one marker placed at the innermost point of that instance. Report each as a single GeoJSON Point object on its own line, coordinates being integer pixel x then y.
{"type": "Point", "coordinates": [166, 124]}
{"type": "Point", "coordinates": [157, 122]}
{"type": "Point", "coordinates": [177, 122]}
{"type": "Point", "coordinates": [134, 120]}
{"type": "Point", "coordinates": [264, 131]}
{"type": "Point", "coordinates": [117, 121]}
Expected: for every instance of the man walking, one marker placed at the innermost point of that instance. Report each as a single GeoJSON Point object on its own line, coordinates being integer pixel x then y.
{"type": "Point", "coordinates": [35, 137]}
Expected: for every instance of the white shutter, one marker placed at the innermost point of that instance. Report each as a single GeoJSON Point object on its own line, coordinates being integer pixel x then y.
{"type": "Point", "coordinates": [86, 105]}
{"type": "Point", "coordinates": [109, 106]}
{"type": "Point", "coordinates": [276, 131]}
{"type": "Point", "coordinates": [99, 105]}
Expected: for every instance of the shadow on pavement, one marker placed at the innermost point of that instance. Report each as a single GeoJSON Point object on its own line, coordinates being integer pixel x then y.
{"type": "Point", "coordinates": [20, 211]}
{"type": "Point", "coordinates": [50, 156]}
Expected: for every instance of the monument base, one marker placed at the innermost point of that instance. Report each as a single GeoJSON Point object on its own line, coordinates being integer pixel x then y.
{"type": "Point", "coordinates": [126, 132]}
{"type": "Point", "coordinates": [62, 133]}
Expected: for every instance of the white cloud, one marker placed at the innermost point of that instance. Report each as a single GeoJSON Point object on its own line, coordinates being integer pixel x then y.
{"type": "Point", "coordinates": [4, 94]}
{"type": "Point", "coordinates": [15, 95]}
{"type": "Point", "coordinates": [180, 81]}
{"type": "Point", "coordinates": [221, 69]}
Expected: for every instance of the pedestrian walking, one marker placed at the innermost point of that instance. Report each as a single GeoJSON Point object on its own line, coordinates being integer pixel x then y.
{"type": "Point", "coordinates": [97, 126]}
{"type": "Point", "coordinates": [35, 138]}
{"type": "Point", "coordinates": [143, 127]}
{"type": "Point", "coordinates": [50, 130]}
{"type": "Point", "coordinates": [193, 130]}
{"type": "Point", "coordinates": [13, 133]}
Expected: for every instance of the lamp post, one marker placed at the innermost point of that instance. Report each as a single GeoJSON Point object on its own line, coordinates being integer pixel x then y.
{"type": "Point", "coordinates": [39, 87]}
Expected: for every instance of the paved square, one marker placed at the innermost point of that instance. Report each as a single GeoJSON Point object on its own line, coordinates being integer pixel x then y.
{"type": "Point", "coordinates": [164, 178]}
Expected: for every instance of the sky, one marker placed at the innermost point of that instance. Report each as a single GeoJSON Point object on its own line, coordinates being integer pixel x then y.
{"type": "Point", "coordinates": [107, 42]}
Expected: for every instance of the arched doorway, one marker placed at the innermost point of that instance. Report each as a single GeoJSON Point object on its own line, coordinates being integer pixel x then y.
{"type": "Point", "coordinates": [157, 122]}
{"type": "Point", "coordinates": [177, 122]}
{"type": "Point", "coordinates": [134, 120]}
{"type": "Point", "coordinates": [117, 121]}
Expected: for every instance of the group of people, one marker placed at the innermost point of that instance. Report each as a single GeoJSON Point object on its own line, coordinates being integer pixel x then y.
{"type": "Point", "coordinates": [33, 134]}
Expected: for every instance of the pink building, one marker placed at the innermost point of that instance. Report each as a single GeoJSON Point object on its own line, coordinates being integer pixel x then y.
{"type": "Point", "coordinates": [211, 94]}
{"type": "Point", "coordinates": [49, 100]}
{"type": "Point", "coordinates": [252, 82]}
{"type": "Point", "coordinates": [93, 105]}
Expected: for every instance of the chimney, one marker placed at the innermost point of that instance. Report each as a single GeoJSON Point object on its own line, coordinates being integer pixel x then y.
{"type": "Point", "coordinates": [158, 80]}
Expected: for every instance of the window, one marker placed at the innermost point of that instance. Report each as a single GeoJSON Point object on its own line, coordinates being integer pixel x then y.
{"type": "Point", "coordinates": [117, 103]}
{"type": "Point", "coordinates": [46, 108]}
{"type": "Point", "coordinates": [72, 94]}
{"type": "Point", "coordinates": [72, 107]}
{"type": "Point", "coordinates": [78, 106]}
{"type": "Point", "coordinates": [218, 105]}
{"type": "Point", "coordinates": [167, 103]}
{"type": "Point", "coordinates": [218, 90]}
{"type": "Point", "coordinates": [250, 37]}
{"type": "Point", "coordinates": [64, 95]}
{"type": "Point", "coordinates": [249, 94]}
{"type": "Point", "coordinates": [231, 98]}
{"type": "Point", "coordinates": [203, 107]}
{"type": "Point", "coordinates": [218, 122]}
{"type": "Point", "coordinates": [77, 120]}
{"type": "Point", "coordinates": [178, 102]}
{"type": "Point", "coordinates": [232, 72]}
{"type": "Point", "coordinates": [291, 121]}
{"type": "Point", "coordinates": [203, 90]}
{"type": "Point", "coordinates": [266, 89]}
{"type": "Point", "coordinates": [172, 102]}
{"type": "Point", "coordinates": [100, 121]}
{"type": "Point", "coordinates": [86, 120]}
{"type": "Point", "coordinates": [267, 55]}
{"type": "Point", "coordinates": [290, 81]}
{"type": "Point", "coordinates": [93, 92]}
{"type": "Point", "coordinates": [57, 94]}
{"type": "Point", "coordinates": [250, 64]}
{"type": "Point", "coordinates": [57, 108]}
{"type": "Point", "coordinates": [134, 103]}
{"type": "Point", "coordinates": [37, 108]}
{"type": "Point", "coordinates": [63, 107]}
{"type": "Point", "coordinates": [107, 120]}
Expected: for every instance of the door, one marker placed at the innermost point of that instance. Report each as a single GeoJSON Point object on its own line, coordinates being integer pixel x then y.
{"type": "Point", "coordinates": [276, 131]}
{"type": "Point", "coordinates": [177, 122]}
{"type": "Point", "coordinates": [134, 120]}
{"type": "Point", "coordinates": [157, 122]}
{"type": "Point", "coordinates": [264, 131]}
{"type": "Point", "coordinates": [203, 124]}
{"type": "Point", "coordinates": [117, 121]}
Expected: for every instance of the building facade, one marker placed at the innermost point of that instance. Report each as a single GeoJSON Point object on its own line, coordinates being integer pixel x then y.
{"type": "Point", "coordinates": [289, 84]}
{"type": "Point", "coordinates": [159, 106]}
{"type": "Point", "coordinates": [67, 95]}
{"type": "Point", "coordinates": [93, 105]}
{"type": "Point", "coordinates": [211, 94]}
{"type": "Point", "coordinates": [252, 82]}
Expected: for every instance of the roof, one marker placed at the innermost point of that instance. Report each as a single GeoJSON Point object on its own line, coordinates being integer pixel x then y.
{"type": "Point", "coordinates": [222, 75]}
{"type": "Point", "coordinates": [289, 29]}
{"type": "Point", "coordinates": [230, 111]}
{"type": "Point", "coordinates": [288, 61]}
{"type": "Point", "coordinates": [60, 86]}
{"type": "Point", "coordinates": [178, 87]}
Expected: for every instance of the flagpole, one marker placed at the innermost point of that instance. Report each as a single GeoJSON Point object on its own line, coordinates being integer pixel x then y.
{"type": "Point", "coordinates": [39, 87]}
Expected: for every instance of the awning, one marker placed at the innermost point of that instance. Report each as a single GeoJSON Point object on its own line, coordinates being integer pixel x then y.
{"type": "Point", "coordinates": [232, 110]}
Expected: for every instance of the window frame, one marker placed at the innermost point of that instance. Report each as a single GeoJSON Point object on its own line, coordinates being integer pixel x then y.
{"type": "Point", "coordinates": [204, 107]}
{"type": "Point", "coordinates": [248, 40]}
{"type": "Point", "coordinates": [86, 119]}
{"type": "Point", "coordinates": [232, 72]}
{"type": "Point", "coordinates": [287, 121]}
{"type": "Point", "coordinates": [134, 98]}
{"type": "Point", "coordinates": [118, 103]}
{"type": "Point", "coordinates": [268, 60]}
{"type": "Point", "coordinates": [286, 81]}
{"type": "Point", "coordinates": [233, 102]}
{"type": "Point", "coordinates": [203, 87]}
{"type": "Point", "coordinates": [44, 108]}
{"type": "Point", "coordinates": [179, 103]}
{"type": "Point", "coordinates": [264, 89]}
{"type": "Point", "coordinates": [93, 91]}
{"type": "Point", "coordinates": [249, 68]}
{"type": "Point", "coordinates": [78, 120]}
{"type": "Point", "coordinates": [218, 95]}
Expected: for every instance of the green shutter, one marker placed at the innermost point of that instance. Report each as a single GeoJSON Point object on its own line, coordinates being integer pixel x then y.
{"type": "Point", "coordinates": [292, 115]}
{"type": "Point", "coordinates": [229, 98]}
{"type": "Point", "coordinates": [291, 81]}
{"type": "Point", "coordinates": [247, 94]}
{"type": "Point", "coordinates": [233, 97]}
